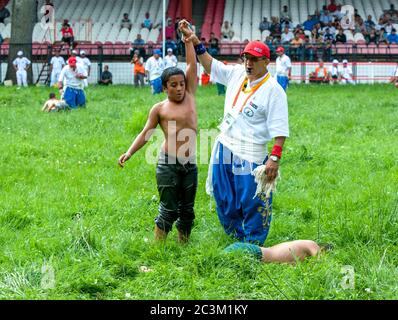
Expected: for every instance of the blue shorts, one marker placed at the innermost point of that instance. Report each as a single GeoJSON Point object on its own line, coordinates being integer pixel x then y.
{"type": "Point", "coordinates": [157, 86]}
{"type": "Point", "coordinates": [243, 217]}
{"type": "Point", "coordinates": [74, 97]}
{"type": "Point", "coordinates": [283, 81]}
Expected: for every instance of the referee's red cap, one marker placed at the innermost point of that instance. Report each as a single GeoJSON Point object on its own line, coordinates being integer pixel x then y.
{"type": "Point", "coordinates": [280, 49]}
{"type": "Point", "coordinates": [257, 49]}
{"type": "Point", "coordinates": [72, 61]}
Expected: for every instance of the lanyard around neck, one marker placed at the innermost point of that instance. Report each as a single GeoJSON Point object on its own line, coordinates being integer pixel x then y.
{"type": "Point", "coordinates": [251, 90]}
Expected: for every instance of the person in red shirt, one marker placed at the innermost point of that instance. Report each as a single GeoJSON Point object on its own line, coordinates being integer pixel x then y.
{"type": "Point", "coordinates": [170, 29]}
{"type": "Point", "coordinates": [332, 7]}
{"type": "Point", "coordinates": [67, 34]}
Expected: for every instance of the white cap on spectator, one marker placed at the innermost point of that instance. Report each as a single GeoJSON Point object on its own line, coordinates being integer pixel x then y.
{"type": "Point", "coordinates": [19, 53]}
{"type": "Point", "coordinates": [169, 50]}
{"type": "Point", "coordinates": [74, 51]}
{"type": "Point", "coordinates": [335, 61]}
{"type": "Point", "coordinates": [82, 52]}
{"type": "Point", "coordinates": [345, 61]}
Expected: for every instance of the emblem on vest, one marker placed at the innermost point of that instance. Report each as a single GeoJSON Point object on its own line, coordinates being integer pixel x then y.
{"type": "Point", "coordinates": [248, 112]}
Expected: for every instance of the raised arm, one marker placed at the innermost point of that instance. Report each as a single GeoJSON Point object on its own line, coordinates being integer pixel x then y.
{"type": "Point", "coordinates": [192, 71]}
{"type": "Point", "coordinates": [205, 59]}
{"type": "Point", "coordinates": [143, 136]}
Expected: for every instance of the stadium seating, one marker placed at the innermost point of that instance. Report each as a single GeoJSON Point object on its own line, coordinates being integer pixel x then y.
{"type": "Point", "coordinates": [98, 21]}
{"type": "Point", "coordinates": [247, 14]}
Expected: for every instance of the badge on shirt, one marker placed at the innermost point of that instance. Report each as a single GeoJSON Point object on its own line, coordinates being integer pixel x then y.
{"type": "Point", "coordinates": [229, 119]}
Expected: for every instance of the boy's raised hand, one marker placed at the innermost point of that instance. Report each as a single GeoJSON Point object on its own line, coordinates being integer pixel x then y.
{"type": "Point", "coordinates": [187, 32]}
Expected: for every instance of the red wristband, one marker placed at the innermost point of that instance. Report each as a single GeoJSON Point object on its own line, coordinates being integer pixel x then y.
{"type": "Point", "coordinates": [277, 151]}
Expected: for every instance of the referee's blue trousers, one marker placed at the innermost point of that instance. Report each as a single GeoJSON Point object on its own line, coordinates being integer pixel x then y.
{"type": "Point", "coordinates": [242, 217]}
{"type": "Point", "coordinates": [283, 81]}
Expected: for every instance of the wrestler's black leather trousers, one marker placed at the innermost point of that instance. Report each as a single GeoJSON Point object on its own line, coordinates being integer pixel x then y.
{"type": "Point", "coordinates": [177, 185]}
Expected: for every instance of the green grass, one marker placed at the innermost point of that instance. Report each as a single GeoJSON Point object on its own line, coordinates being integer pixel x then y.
{"type": "Point", "coordinates": [65, 203]}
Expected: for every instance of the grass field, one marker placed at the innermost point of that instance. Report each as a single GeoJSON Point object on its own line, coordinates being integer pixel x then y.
{"type": "Point", "coordinates": [68, 212]}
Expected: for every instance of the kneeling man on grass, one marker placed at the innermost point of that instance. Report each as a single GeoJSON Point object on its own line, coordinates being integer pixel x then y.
{"type": "Point", "coordinates": [73, 75]}
{"type": "Point", "coordinates": [176, 172]}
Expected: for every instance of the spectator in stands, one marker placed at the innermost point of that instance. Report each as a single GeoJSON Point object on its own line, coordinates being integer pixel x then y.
{"type": "Point", "coordinates": [106, 77]}
{"type": "Point", "coordinates": [67, 34]}
{"type": "Point", "coordinates": [126, 22]}
{"type": "Point", "coordinates": [325, 18]}
{"type": "Point", "coordinates": [332, 7]}
{"type": "Point", "coordinates": [264, 25]}
{"type": "Point", "coordinates": [73, 75]}
{"type": "Point", "coordinates": [139, 70]}
{"type": "Point", "coordinates": [147, 23]}
{"type": "Point", "coordinates": [286, 24]}
{"type": "Point", "coordinates": [309, 48]}
{"type": "Point", "coordinates": [285, 14]}
{"type": "Point", "coordinates": [328, 36]}
{"type": "Point", "coordinates": [388, 27]}
{"type": "Point", "coordinates": [170, 60]}
{"type": "Point", "coordinates": [383, 37]}
{"type": "Point", "coordinates": [170, 44]}
{"type": "Point", "coordinates": [372, 37]}
{"type": "Point", "coordinates": [270, 44]}
{"type": "Point", "coordinates": [315, 33]}
{"type": "Point", "coordinates": [86, 65]}
{"type": "Point", "coordinates": [380, 24]}
{"type": "Point", "coordinates": [393, 37]}
{"type": "Point", "coordinates": [154, 68]}
{"type": "Point", "coordinates": [360, 27]}
{"type": "Point", "coordinates": [334, 71]}
{"type": "Point", "coordinates": [214, 48]}
{"type": "Point", "coordinates": [309, 23]}
{"type": "Point", "coordinates": [319, 47]}
{"type": "Point", "coordinates": [369, 24]}
{"type": "Point", "coordinates": [283, 68]}
{"type": "Point", "coordinates": [275, 28]}
{"type": "Point", "coordinates": [138, 44]}
{"type": "Point", "coordinates": [286, 36]}
{"type": "Point", "coordinates": [392, 10]}
{"type": "Point", "coordinates": [320, 75]}
{"type": "Point", "coordinates": [346, 74]}
{"type": "Point", "coordinates": [56, 64]}
{"type": "Point", "coordinates": [338, 14]}
{"type": "Point", "coordinates": [300, 32]}
{"type": "Point", "coordinates": [226, 31]}
{"type": "Point", "coordinates": [21, 65]}
{"type": "Point", "coordinates": [331, 28]}
{"type": "Point", "coordinates": [340, 37]}
{"type": "Point", "coordinates": [170, 30]}
{"type": "Point", "coordinates": [4, 14]}
{"type": "Point", "coordinates": [296, 44]}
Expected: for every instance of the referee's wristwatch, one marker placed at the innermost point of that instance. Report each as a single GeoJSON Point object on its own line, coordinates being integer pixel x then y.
{"type": "Point", "coordinates": [274, 158]}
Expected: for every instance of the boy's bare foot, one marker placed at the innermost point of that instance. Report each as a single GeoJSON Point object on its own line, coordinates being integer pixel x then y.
{"type": "Point", "coordinates": [160, 235]}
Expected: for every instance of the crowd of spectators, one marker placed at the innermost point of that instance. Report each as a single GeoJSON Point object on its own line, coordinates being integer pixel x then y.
{"type": "Point", "coordinates": [315, 36]}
